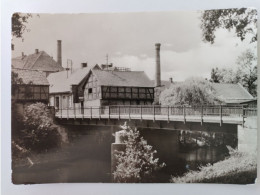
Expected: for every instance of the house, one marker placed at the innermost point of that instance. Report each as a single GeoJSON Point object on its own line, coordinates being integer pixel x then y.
{"type": "Point", "coordinates": [229, 93]}
{"type": "Point", "coordinates": [87, 87]}
{"type": "Point", "coordinates": [233, 94]}
{"type": "Point", "coordinates": [40, 61]}
{"type": "Point", "coordinates": [33, 86]}
{"type": "Point", "coordinates": [64, 87]}
{"type": "Point", "coordinates": [29, 86]}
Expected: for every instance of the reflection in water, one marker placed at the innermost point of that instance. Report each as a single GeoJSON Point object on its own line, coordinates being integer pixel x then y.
{"type": "Point", "coordinates": [88, 155]}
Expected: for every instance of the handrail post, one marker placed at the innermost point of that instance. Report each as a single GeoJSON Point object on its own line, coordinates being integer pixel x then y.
{"type": "Point", "coordinates": [201, 114]}
{"type": "Point", "coordinates": [108, 112]}
{"type": "Point", "coordinates": [168, 114]}
{"type": "Point", "coordinates": [67, 113]}
{"type": "Point", "coordinates": [99, 110]}
{"type": "Point", "coordinates": [243, 116]}
{"type": "Point", "coordinates": [141, 113]}
{"type": "Point", "coordinates": [90, 112]}
{"type": "Point", "coordinates": [129, 112]}
{"type": "Point", "coordinates": [61, 107]}
{"type": "Point", "coordinates": [153, 112]}
{"type": "Point", "coordinates": [119, 112]}
{"type": "Point", "coordinates": [82, 112]}
{"type": "Point", "coordinates": [184, 114]}
{"type": "Point", "coordinates": [220, 115]}
{"type": "Point", "coordinates": [74, 111]}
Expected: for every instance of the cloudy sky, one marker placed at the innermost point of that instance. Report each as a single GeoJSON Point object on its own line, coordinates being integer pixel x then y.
{"type": "Point", "coordinates": [129, 38]}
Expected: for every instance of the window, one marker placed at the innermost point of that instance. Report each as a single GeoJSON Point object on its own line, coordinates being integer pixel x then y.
{"type": "Point", "coordinates": [90, 90]}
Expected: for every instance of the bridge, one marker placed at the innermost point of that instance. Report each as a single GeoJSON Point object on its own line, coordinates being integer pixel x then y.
{"type": "Point", "coordinates": [225, 120]}
{"type": "Point", "coordinates": [202, 114]}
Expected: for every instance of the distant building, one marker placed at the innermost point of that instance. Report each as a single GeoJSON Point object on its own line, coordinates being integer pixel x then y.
{"type": "Point", "coordinates": [40, 61]}
{"type": "Point", "coordinates": [87, 87]}
{"type": "Point", "coordinates": [229, 93]}
{"type": "Point", "coordinates": [32, 87]}
{"type": "Point", "coordinates": [233, 94]}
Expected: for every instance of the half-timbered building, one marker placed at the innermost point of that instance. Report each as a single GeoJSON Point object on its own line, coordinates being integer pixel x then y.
{"type": "Point", "coordinates": [94, 87]}
{"type": "Point", "coordinates": [118, 87]}
{"type": "Point", "coordinates": [31, 86]}
{"type": "Point", "coordinates": [28, 86]}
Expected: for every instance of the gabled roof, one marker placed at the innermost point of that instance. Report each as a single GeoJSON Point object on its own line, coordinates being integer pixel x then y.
{"type": "Point", "coordinates": [122, 78]}
{"type": "Point", "coordinates": [33, 77]}
{"type": "Point", "coordinates": [231, 93]}
{"type": "Point", "coordinates": [37, 61]}
{"type": "Point", "coordinates": [60, 83]}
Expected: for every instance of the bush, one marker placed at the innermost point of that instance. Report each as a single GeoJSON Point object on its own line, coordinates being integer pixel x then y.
{"type": "Point", "coordinates": [192, 91]}
{"type": "Point", "coordinates": [40, 133]}
{"type": "Point", "coordinates": [238, 168]}
{"type": "Point", "coordinates": [137, 163]}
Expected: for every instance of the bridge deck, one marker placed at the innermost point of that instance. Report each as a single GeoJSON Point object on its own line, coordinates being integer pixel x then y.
{"type": "Point", "coordinates": [212, 114]}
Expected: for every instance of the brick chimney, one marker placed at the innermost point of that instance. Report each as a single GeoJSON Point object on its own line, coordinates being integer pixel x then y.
{"type": "Point", "coordinates": [36, 51]}
{"type": "Point", "coordinates": [170, 79]}
{"type": "Point", "coordinates": [158, 66]}
{"type": "Point", "coordinates": [84, 65]}
{"type": "Point", "coordinates": [59, 57]}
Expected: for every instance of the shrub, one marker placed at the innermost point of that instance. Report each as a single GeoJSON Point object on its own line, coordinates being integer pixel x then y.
{"type": "Point", "coordinates": [192, 91]}
{"type": "Point", "coordinates": [137, 163]}
{"type": "Point", "coordinates": [40, 134]}
{"type": "Point", "coordinates": [238, 168]}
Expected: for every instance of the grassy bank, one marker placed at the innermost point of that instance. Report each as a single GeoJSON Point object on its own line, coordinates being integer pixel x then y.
{"type": "Point", "coordinates": [238, 168]}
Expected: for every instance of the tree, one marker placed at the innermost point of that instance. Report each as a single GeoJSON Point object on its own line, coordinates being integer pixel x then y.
{"type": "Point", "coordinates": [215, 76]}
{"type": "Point", "coordinates": [192, 91]}
{"type": "Point", "coordinates": [40, 133]}
{"type": "Point", "coordinates": [247, 68]}
{"type": "Point", "coordinates": [225, 75]}
{"type": "Point", "coordinates": [18, 24]}
{"type": "Point", "coordinates": [137, 163]}
{"type": "Point", "coordinates": [245, 73]}
{"type": "Point", "coordinates": [243, 20]}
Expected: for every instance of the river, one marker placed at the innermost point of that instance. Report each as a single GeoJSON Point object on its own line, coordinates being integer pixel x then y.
{"type": "Point", "coordinates": [87, 157]}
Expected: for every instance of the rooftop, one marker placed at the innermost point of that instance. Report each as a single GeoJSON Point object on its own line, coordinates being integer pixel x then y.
{"type": "Point", "coordinates": [231, 93]}
{"type": "Point", "coordinates": [123, 78]}
{"type": "Point", "coordinates": [59, 82]}
{"type": "Point", "coordinates": [37, 61]}
{"type": "Point", "coordinates": [31, 76]}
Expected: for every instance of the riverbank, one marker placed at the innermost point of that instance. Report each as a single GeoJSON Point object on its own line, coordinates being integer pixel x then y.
{"type": "Point", "coordinates": [239, 168]}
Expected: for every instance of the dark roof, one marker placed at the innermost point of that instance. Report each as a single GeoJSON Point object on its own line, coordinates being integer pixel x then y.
{"type": "Point", "coordinates": [122, 78]}
{"type": "Point", "coordinates": [31, 76]}
{"type": "Point", "coordinates": [231, 93]}
{"type": "Point", "coordinates": [37, 61]}
{"type": "Point", "coordinates": [59, 83]}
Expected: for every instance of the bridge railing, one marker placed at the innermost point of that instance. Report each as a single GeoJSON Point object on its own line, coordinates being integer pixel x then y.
{"type": "Point", "coordinates": [156, 110]}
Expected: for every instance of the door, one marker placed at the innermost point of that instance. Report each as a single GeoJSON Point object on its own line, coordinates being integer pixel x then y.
{"type": "Point", "coordinates": [57, 103]}
{"type": "Point", "coordinates": [82, 107]}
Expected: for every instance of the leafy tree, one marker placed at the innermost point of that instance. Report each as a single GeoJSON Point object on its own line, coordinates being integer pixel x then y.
{"type": "Point", "coordinates": [247, 68]}
{"type": "Point", "coordinates": [245, 73]}
{"type": "Point", "coordinates": [192, 91]}
{"type": "Point", "coordinates": [215, 76]}
{"type": "Point", "coordinates": [137, 163]}
{"type": "Point", "coordinates": [225, 75]}
{"type": "Point", "coordinates": [18, 24]}
{"type": "Point", "coordinates": [40, 133]}
{"type": "Point", "coordinates": [243, 20]}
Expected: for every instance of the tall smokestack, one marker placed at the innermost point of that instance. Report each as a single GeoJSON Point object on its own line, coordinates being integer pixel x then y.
{"type": "Point", "coordinates": [158, 66]}
{"type": "Point", "coordinates": [59, 59]}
